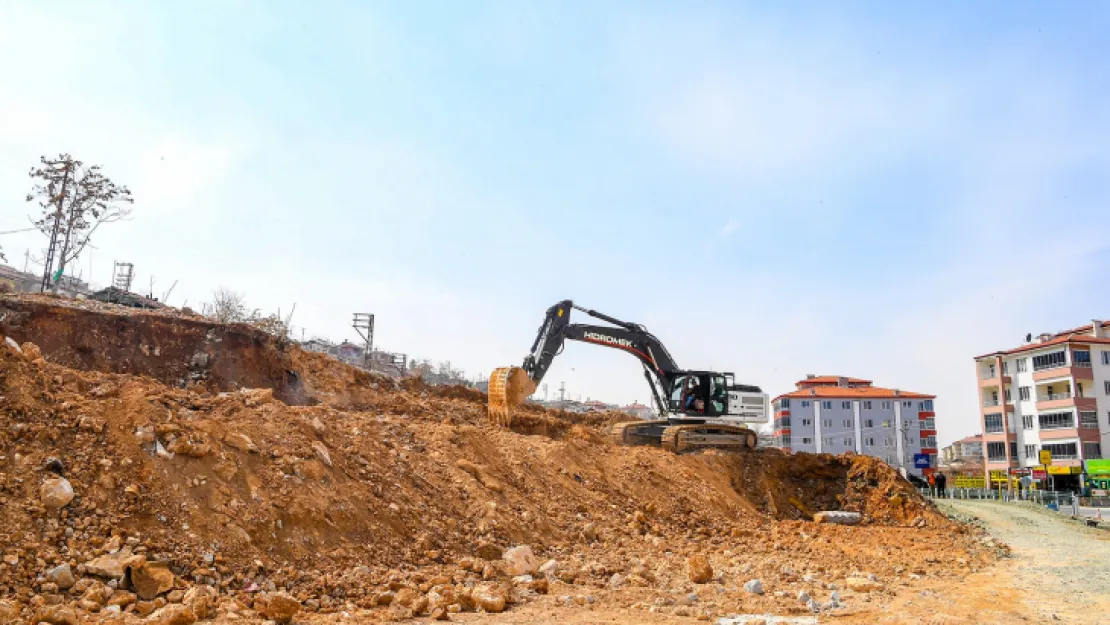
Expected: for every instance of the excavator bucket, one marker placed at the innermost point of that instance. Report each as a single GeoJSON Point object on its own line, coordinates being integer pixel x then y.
{"type": "Point", "coordinates": [508, 387]}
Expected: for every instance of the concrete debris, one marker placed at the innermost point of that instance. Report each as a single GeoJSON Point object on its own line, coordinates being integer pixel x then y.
{"type": "Point", "coordinates": [838, 517]}
{"type": "Point", "coordinates": [754, 587]}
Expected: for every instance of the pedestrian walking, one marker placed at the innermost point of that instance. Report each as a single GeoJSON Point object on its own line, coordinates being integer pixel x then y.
{"type": "Point", "coordinates": [942, 483]}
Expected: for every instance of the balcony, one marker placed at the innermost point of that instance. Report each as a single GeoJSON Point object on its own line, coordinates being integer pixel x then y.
{"type": "Point", "coordinates": [988, 403]}
{"type": "Point", "coordinates": [928, 424]}
{"type": "Point", "coordinates": [992, 378]}
{"type": "Point", "coordinates": [1052, 397]}
{"type": "Point", "coordinates": [1054, 401]}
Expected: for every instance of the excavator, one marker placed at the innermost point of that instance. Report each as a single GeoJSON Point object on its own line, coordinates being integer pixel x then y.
{"type": "Point", "coordinates": [696, 409]}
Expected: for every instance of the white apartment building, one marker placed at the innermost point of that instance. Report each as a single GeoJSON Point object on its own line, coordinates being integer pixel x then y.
{"type": "Point", "coordinates": [1052, 393]}
{"type": "Point", "coordinates": [834, 414]}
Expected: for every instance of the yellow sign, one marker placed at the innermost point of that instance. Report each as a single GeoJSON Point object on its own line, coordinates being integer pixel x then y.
{"type": "Point", "coordinates": [965, 481]}
{"type": "Point", "coordinates": [998, 476]}
{"type": "Point", "coordinates": [1064, 470]}
{"type": "Point", "coordinates": [1046, 457]}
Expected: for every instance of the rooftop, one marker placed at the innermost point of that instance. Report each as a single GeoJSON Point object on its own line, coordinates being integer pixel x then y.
{"type": "Point", "coordinates": [1083, 335]}
{"type": "Point", "coordinates": [838, 386]}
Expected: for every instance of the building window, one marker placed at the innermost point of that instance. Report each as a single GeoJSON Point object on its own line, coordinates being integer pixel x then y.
{"type": "Point", "coordinates": [1056, 420]}
{"type": "Point", "coordinates": [786, 440]}
{"type": "Point", "coordinates": [929, 442]}
{"type": "Point", "coordinates": [826, 405]}
{"type": "Point", "coordinates": [888, 441]}
{"type": "Point", "coordinates": [807, 441]}
{"type": "Point", "coordinates": [1013, 449]}
{"type": "Point", "coordinates": [867, 405]}
{"type": "Point", "coordinates": [907, 404]}
{"type": "Point", "coordinates": [849, 442]}
{"type": "Point", "coordinates": [1030, 451]}
{"type": "Point", "coordinates": [1005, 368]}
{"type": "Point", "coordinates": [784, 404]}
{"type": "Point", "coordinates": [992, 423]}
{"type": "Point", "coordinates": [1062, 451]}
{"type": "Point", "coordinates": [1081, 359]}
{"type": "Point", "coordinates": [1023, 393]}
{"type": "Point", "coordinates": [846, 405]}
{"type": "Point", "coordinates": [1049, 361]}
{"type": "Point", "coordinates": [886, 405]}
{"type": "Point", "coordinates": [869, 423]}
{"type": "Point", "coordinates": [1106, 357]}
{"type": "Point", "coordinates": [826, 423]}
{"type": "Point", "coordinates": [886, 423]}
{"type": "Point", "coordinates": [1006, 393]}
{"type": "Point", "coordinates": [1022, 365]}
{"type": "Point", "coordinates": [1088, 420]}
{"type": "Point", "coordinates": [1027, 422]}
{"type": "Point", "coordinates": [827, 442]}
{"type": "Point", "coordinates": [926, 406]}
{"type": "Point", "coordinates": [870, 442]}
{"type": "Point", "coordinates": [1092, 451]}
{"type": "Point", "coordinates": [806, 422]}
{"type": "Point", "coordinates": [1106, 384]}
{"type": "Point", "coordinates": [805, 404]}
{"type": "Point", "coordinates": [784, 422]}
{"type": "Point", "coordinates": [996, 452]}
{"type": "Point", "coordinates": [847, 423]}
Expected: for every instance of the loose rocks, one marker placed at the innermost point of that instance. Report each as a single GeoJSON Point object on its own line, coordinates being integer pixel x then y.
{"type": "Point", "coordinates": [699, 569]}
{"type": "Point", "coordinates": [280, 607]}
{"type": "Point", "coordinates": [56, 493]}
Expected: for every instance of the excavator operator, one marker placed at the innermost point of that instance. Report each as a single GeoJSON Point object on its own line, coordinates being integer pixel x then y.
{"type": "Point", "coordinates": [694, 402]}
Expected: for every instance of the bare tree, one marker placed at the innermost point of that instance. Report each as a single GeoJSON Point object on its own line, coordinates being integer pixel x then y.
{"type": "Point", "coordinates": [227, 306]}
{"type": "Point", "coordinates": [75, 201]}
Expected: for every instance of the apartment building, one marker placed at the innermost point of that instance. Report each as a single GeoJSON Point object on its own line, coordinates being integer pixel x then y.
{"type": "Point", "coordinates": [964, 456]}
{"type": "Point", "coordinates": [1046, 394]}
{"type": "Point", "coordinates": [835, 414]}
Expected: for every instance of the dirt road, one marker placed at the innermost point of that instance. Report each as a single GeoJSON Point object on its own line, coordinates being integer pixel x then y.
{"type": "Point", "coordinates": [1059, 572]}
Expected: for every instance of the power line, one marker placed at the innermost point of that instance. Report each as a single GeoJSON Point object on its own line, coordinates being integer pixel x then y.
{"type": "Point", "coordinates": [15, 231]}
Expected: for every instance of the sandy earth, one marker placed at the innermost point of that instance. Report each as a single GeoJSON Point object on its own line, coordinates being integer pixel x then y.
{"type": "Point", "coordinates": [1059, 572]}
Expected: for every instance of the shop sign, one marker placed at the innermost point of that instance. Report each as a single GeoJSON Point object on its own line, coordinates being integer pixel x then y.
{"type": "Point", "coordinates": [1098, 467]}
{"type": "Point", "coordinates": [1064, 470]}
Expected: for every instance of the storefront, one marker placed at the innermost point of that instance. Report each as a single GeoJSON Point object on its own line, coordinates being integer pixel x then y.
{"type": "Point", "coordinates": [1064, 478]}
{"type": "Point", "coordinates": [1098, 477]}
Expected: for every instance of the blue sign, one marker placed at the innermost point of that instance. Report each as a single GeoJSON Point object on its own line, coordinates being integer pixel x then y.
{"type": "Point", "coordinates": [921, 461]}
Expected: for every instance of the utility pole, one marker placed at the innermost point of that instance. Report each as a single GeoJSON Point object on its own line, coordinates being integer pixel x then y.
{"type": "Point", "coordinates": [364, 324]}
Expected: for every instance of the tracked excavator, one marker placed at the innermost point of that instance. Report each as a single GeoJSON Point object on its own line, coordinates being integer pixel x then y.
{"type": "Point", "coordinates": [696, 409]}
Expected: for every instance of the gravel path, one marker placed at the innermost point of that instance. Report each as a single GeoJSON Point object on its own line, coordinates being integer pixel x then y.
{"type": "Point", "coordinates": [1060, 569]}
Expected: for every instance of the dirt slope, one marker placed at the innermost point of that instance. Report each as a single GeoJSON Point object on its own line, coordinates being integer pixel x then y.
{"type": "Point", "coordinates": [355, 487]}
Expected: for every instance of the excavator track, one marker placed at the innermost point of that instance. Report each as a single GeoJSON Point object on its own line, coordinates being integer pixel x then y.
{"type": "Point", "coordinates": [638, 432]}
{"type": "Point", "coordinates": [692, 437]}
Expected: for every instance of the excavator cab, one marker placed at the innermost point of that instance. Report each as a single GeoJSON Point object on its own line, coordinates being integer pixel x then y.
{"type": "Point", "coordinates": [700, 394]}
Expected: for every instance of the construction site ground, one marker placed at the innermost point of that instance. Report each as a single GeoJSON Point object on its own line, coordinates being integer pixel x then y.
{"type": "Point", "coordinates": [156, 467]}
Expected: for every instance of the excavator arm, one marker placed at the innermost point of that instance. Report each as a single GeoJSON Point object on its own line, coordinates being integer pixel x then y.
{"type": "Point", "coordinates": [511, 385]}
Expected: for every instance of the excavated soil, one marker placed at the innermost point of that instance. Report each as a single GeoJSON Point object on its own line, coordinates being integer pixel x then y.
{"type": "Point", "coordinates": [253, 468]}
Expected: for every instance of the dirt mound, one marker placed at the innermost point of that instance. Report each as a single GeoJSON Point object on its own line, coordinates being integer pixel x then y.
{"type": "Point", "coordinates": [360, 490]}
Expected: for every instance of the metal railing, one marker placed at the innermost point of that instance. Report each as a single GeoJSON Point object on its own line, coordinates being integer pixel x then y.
{"type": "Point", "coordinates": [1082, 365]}
{"type": "Point", "coordinates": [1051, 365]}
{"type": "Point", "coordinates": [1053, 396]}
{"type": "Point", "coordinates": [988, 403]}
{"type": "Point", "coordinates": [1053, 499]}
{"type": "Point", "coordinates": [930, 424]}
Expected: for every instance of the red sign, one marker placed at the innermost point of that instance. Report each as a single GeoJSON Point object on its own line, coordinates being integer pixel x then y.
{"type": "Point", "coordinates": [1039, 474]}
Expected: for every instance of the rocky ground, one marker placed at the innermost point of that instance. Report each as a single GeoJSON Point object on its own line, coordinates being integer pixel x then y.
{"type": "Point", "coordinates": [157, 467]}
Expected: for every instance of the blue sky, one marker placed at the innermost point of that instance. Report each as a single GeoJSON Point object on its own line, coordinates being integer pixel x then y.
{"type": "Point", "coordinates": [861, 188]}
